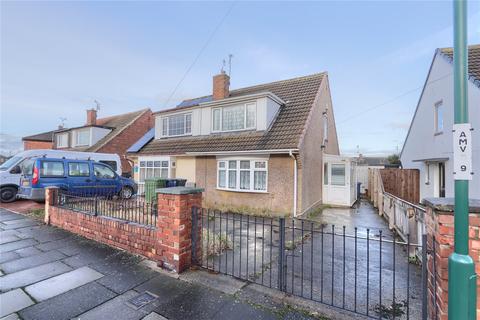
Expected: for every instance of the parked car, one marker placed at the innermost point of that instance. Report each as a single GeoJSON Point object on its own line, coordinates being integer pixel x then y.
{"type": "Point", "coordinates": [77, 177]}
{"type": "Point", "coordinates": [10, 171]}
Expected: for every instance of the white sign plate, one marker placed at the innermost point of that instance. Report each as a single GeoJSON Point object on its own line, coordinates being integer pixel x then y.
{"type": "Point", "coordinates": [462, 151]}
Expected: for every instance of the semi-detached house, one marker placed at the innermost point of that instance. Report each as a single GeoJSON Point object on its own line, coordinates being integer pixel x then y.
{"type": "Point", "coordinates": [256, 149]}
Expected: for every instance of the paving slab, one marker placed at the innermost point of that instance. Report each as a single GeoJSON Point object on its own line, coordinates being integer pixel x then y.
{"type": "Point", "coordinates": [54, 286]}
{"type": "Point", "coordinates": [12, 316]}
{"type": "Point", "coordinates": [236, 310]}
{"type": "Point", "coordinates": [14, 301]}
{"type": "Point", "coordinates": [17, 245]}
{"type": "Point", "coordinates": [154, 316]}
{"type": "Point", "coordinates": [28, 251]}
{"type": "Point", "coordinates": [32, 261]}
{"type": "Point", "coordinates": [125, 278]}
{"type": "Point", "coordinates": [20, 224]}
{"type": "Point", "coordinates": [20, 220]}
{"type": "Point", "coordinates": [164, 287]}
{"type": "Point", "coordinates": [7, 256]}
{"type": "Point", "coordinates": [70, 304]}
{"type": "Point", "coordinates": [32, 275]}
{"type": "Point", "coordinates": [196, 303]}
{"type": "Point", "coordinates": [56, 244]}
{"type": "Point", "coordinates": [9, 238]}
{"type": "Point", "coordinates": [7, 216]}
{"type": "Point", "coordinates": [116, 308]}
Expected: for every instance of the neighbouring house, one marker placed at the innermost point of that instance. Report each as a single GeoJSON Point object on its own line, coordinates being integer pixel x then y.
{"type": "Point", "coordinates": [363, 165]}
{"type": "Point", "coordinates": [429, 143]}
{"type": "Point", "coordinates": [257, 149]}
{"type": "Point", "coordinates": [106, 135]}
{"type": "Point", "coordinates": [42, 140]}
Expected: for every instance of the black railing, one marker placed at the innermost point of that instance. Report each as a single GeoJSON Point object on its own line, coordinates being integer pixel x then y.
{"type": "Point", "coordinates": [135, 210]}
{"type": "Point", "coordinates": [368, 272]}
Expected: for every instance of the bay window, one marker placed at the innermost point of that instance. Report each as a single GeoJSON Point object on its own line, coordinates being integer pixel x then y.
{"type": "Point", "coordinates": [242, 175]}
{"type": "Point", "coordinates": [234, 118]}
{"type": "Point", "coordinates": [177, 125]}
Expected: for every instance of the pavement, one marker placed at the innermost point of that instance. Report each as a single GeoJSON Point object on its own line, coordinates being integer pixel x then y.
{"type": "Point", "coordinates": [22, 206]}
{"type": "Point", "coordinates": [48, 273]}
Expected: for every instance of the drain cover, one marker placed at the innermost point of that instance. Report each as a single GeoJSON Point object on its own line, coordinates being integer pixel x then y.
{"type": "Point", "coordinates": [141, 300]}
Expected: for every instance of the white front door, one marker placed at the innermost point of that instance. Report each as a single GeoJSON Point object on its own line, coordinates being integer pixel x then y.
{"type": "Point", "coordinates": [336, 184]}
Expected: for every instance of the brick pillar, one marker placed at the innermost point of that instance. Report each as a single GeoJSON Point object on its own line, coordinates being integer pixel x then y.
{"type": "Point", "coordinates": [51, 194]}
{"type": "Point", "coordinates": [175, 226]}
{"type": "Point", "coordinates": [440, 243]}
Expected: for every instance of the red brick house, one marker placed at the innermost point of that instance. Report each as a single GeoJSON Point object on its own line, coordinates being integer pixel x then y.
{"type": "Point", "coordinates": [106, 135]}
{"type": "Point", "coordinates": [42, 140]}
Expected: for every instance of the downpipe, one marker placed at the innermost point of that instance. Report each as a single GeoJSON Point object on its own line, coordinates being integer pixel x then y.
{"type": "Point", "coordinates": [295, 184]}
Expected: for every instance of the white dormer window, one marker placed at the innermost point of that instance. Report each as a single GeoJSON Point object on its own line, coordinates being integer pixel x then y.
{"type": "Point", "coordinates": [62, 140]}
{"type": "Point", "coordinates": [234, 118]}
{"type": "Point", "coordinates": [177, 125]}
{"type": "Point", "coordinates": [82, 137]}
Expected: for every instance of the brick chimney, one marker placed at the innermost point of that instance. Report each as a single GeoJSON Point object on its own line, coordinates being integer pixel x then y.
{"type": "Point", "coordinates": [91, 117]}
{"type": "Point", "coordinates": [221, 86]}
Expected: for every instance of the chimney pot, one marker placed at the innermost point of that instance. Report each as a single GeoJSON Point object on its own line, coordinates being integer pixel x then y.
{"type": "Point", "coordinates": [91, 117]}
{"type": "Point", "coordinates": [221, 86]}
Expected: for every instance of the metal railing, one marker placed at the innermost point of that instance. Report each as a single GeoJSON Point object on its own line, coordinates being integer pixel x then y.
{"type": "Point", "coordinates": [367, 272]}
{"type": "Point", "coordinates": [135, 210]}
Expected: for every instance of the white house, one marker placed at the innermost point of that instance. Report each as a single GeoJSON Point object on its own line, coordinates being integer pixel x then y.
{"type": "Point", "coordinates": [429, 143]}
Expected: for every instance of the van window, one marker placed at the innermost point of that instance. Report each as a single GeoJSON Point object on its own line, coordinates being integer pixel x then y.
{"type": "Point", "coordinates": [27, 166]}
{"type": "Point", "coordinates": [111, 164]}
{"type": "Point", "coordinates": [103, 172]}
{"type": "Point", "coordinates": [78, 169]}
{"type": "Point", "coordinates": [52, 169]}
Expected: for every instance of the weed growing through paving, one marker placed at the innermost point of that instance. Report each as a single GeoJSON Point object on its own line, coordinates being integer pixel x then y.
{"type": "Point", "coordinates": [395, 310]}
{"type": "Point", "coordinates": [37, 213]}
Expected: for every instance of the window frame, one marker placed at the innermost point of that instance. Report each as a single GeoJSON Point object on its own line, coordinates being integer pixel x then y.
{"type": "Point", "coordinates": [437, 106]}
{"type": "Point", "coordinates": [77, 135]}
{"type": "Point", "coordinates": [62, 135]}
{"type": "Point", "coordinates": [252, 169]}
{"type": "Point", "coordinates": [331, 166]}
{"type": "Point", "coordinates": [98, 164]}
{"type": "Point", "coordinates": [165, 120]}
{"type": "Point", "coordinates": [153, 167]}
{"type": "Point", "coordinates": [245, 113]}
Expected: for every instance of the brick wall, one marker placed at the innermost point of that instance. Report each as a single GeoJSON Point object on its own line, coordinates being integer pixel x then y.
{"type": "Point", "coordinates": [440, 225]}
{"type": "Point", "coordinates": [127, 138]}
{"type": "Point", "coordinates": [31, 145]}
{"type": "Point", "coordinates": [169, 243]}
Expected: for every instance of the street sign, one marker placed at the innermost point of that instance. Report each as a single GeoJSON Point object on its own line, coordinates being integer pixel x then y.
{"type": "Point", "coordinates": [462, 151]}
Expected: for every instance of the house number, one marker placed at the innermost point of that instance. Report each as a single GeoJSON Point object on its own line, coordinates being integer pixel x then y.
{"type": "Point", "coordinates": [462, 151]}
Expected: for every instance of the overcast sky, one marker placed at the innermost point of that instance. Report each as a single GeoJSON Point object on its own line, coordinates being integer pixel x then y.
{"type": "Point", "coordinates": [58, 57]}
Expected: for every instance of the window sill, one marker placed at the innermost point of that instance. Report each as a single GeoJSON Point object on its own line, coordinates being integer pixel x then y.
{"type": "Point", "coordinates": [176, 136]}
{"type": "Point", "coordinates": [242, 191]}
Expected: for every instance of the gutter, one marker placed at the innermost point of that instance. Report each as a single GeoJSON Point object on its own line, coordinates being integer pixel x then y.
{"type": "Point", "coordinates": [295, 185]}
{"type": "Point", "coordinates": [226, 153]}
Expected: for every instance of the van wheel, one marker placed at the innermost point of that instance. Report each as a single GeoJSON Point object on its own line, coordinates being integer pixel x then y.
{"type": "Point", "coordinates": [8, 194]}
{"type": "Point", "coordinates": [126, 193]}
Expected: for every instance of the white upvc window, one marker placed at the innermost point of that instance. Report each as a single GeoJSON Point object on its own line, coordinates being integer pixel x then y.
{"type": "Point", "coordinates": [234, 118]}
{"type": "Point", "coordinates": [242, 175]}
{"type": "Point", "coordinates": [153, 168]}
{"type": "Point", "coordinates": [439, 117]}
{"type": "Point", "coordinates": [82, 137]}
{"type": "Point", "coordinates": [177, 125]}
{"type": "Point", "coordinates": [62, 140]}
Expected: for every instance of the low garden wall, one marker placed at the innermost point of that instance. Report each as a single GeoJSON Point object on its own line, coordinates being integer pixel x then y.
{"type": "Point", "coordinates": [169, 242]}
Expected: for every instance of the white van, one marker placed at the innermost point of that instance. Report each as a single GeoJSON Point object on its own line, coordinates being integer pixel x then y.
{"type": "Point", "coordinates": [10, 171]}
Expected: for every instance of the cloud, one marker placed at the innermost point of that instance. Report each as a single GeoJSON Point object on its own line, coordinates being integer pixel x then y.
{"type": "Point", "coordinates": [10, 144]}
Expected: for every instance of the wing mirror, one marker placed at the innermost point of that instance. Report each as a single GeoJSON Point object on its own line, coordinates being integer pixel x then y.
{"type": "Point", "coordinates": [16, 170]}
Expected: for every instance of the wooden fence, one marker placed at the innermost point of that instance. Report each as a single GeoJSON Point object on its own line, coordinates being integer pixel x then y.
{"type": "Point", "coordinates": [402, 183]}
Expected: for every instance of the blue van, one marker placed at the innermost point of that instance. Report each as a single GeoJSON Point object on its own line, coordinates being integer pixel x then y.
{"type": "Point", "coordinates": [77, 177]}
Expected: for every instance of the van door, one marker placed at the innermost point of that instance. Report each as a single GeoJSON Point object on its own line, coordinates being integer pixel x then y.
{"type": "Point", "coordinates": [106, 181]}
{"type": "Point", "coordinates": [79, 178]}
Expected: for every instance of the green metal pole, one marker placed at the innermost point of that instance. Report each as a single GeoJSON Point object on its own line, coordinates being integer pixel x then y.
{"type": "Point", "coordinates": [461, 269]}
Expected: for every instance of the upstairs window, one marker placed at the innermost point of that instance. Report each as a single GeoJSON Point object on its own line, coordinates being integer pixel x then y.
{"type": "Point", "coordinates": [234, 118]}
{"type": "Point", "coordinates": [242, 175]}
{"type": "Point", "coordinates": [83, 137]}
{"type": "Point", "coordinates": [62, 140]}
{"type": "Point", "coordinates": [177, 125]}
{"type": "Point", "coordinates": [438, 117]}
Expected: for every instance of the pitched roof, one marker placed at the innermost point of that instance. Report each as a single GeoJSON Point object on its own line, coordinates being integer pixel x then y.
{"type": "Point", "coordinates": [118, 123]}
{"type": "Point", "coordinates": [285, 133]}
{"type": "Point", "coordinates": [473, 60]}
{"type": "Point", "coordinates": [44, 136]}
